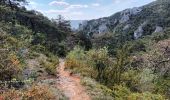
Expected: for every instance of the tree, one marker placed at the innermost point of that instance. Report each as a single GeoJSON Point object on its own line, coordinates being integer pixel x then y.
{"type": "Point", "coordinates": [63, 25]}
{"type": "Point", "coordinates": [121, 63]}
{"type": "Point", "coordinates": [13, 3]}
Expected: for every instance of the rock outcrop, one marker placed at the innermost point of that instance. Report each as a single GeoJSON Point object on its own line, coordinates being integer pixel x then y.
{"type": "Point", "coordinates": [158, 29]}
{"type": "Point", "coordinates": [126, 14]}
{"type": "Point", "coordinates": [130, 21]}
{"type": "Point", "coordinates": [139, 32]}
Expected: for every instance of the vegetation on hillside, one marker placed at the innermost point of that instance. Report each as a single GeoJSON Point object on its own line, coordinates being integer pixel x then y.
{"type": "Point", "coordinates": [135, 70]}
{"type": "Point", "coordinates": [29, 50]}
{"type": "Point", "coordinates": [112, 66]}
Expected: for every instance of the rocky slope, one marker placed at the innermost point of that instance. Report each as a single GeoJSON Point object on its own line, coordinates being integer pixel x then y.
{"type": "Point", "coordinates": [135, 22]}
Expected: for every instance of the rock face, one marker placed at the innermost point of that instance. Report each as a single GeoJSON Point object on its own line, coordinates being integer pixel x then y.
{"type": "Point", "coordinates": [130, 21]}
{"type": "Point", "coordinates": [126, 27]}
{"type": "Point", "coordinates": [125, 17]}
{"type": "Point", "coordinates": [139, 32]}
{"type": "Point", "coordinates": [103, 29]}
{"type": "Point", "coordinates": [129, 12]}
{"type": "Point", "coordinates": [103, 25]}
{"type": "Point", "coordinates": [158, 29]}
{"type": "Point", "coordinates": [82, 25]}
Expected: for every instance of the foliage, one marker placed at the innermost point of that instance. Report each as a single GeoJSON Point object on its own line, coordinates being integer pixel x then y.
{"type": "Point", "coordinates": [36, 92]}
{"type": "Point", "coordinates": [146, 80]}
{"type": "Point", "coordinates": [159, 36]}
{"type": "Point", "coordinates": [121, 92]}
{"type": "Point", "coordinates": [145, 96]}
{"type": "Point", "coordinates": [97, 64]}
{"type": "Point", "coordinates": [34, 26]}
{"type": "Point", "coordinates": [96, 90]}
{"type": "Point", "coordinates": [76, 60]}
{"type": "Point", "coordinates": [50, 64]}
{"type": "Point", "coordinates": [10, 62]}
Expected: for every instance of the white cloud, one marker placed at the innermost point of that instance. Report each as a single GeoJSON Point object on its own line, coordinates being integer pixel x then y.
{"type": "Point", "coordinates": [122, 1]}
{"type": "Point", "coordinates": [67, 5]}
{"type": "Point", "coordinates": [95, 4]}
{"type": "Point", "coordinates": [77, 6]}
{"type": "Point", "coordinates": [69, 10]}
{"type": "Point", "coordinates": [58, 3]}
{"type": "Point", "coordinates": [66, 13]}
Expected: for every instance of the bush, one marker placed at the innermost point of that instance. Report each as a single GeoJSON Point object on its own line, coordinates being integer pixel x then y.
{"type": "Point", "coordinates": [96, 90]}
{"type": "Point", "coordinates": [38, 48]}
{"type": "Point", "coordinates": [76, 60]}
{"type": "Point", "coordinates": [33, 55]}
{"type": "Point", "coordinates": [50, 64]}
{"type": "Point", "coordinates": [10, 62]}
{"type": "Point", "coordinates": [50, 68]}
{"type": "Point", "coordinates": [36, 92]}
{"type": "Point", "coordinates": [121, 92]}
{"type": "Point", "coordinates": [100, 62]}
{"type": "Point", "coordinates": [39, 93]}
{"type": "Point", "coordinates": [91, 63]}
{"type": "Point", "coordinates": [146, 80]}
{"type": "Point", "coordinates": [11, 95]}
{"type": "Point", "coordinates": [97, 64]}
{"type": "Point", "coordinates": [159, 36]}
{"type": "Point", "coordinates": [145, 96]}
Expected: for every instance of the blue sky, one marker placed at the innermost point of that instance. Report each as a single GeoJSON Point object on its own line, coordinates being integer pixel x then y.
{"type": "Point", "coordinates": [83, 9]}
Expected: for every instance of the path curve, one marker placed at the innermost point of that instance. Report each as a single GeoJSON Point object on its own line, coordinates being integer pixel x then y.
{"type": "Point", "coordinates": [70, 84]}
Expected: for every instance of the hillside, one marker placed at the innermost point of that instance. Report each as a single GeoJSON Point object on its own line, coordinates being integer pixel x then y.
{"type": "Point", "coordinates": [134, 22]}
{"type": "Point", "coordinates": [75, 23]}
{"type": "Point", "coordinates": [125, 56]}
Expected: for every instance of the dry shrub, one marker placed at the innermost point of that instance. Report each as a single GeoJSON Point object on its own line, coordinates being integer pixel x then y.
{"type": "Point", "coordinates": [36, 92]}
{"type": "Point", "coordinates": [39, 93]}
{"type": "Point", "coordinates": [10, 66]}
{"type": "Point", "coordinates": [11, 95]}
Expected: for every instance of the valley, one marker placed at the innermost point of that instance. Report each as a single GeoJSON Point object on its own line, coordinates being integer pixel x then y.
{"type": "Point", "coordinates": [45, 55]}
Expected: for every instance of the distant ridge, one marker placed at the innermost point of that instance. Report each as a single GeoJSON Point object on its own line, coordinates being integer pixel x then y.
{"type": "Point", "coordinates": [75, 23]}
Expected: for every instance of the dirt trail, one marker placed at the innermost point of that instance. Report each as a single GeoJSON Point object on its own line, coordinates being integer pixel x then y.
{"type": "Point", "coordinates": [70, 84]}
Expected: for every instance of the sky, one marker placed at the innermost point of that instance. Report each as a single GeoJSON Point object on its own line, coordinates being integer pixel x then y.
{"type": "Point", "coordinates": [82, 9]}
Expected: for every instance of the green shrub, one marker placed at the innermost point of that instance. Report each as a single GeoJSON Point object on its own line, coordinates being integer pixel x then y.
{"type": "Point", "coordinates": [96, 90]}
{"type": "Point", "coordinates": [10, 66]}
{"type": "Point", "coordinates": [38, 48]}
{"type": "Point", "coordinates": [159, 36]}
{"type": "Point", "coordinates": [50, 64]}
{"type": "Point", "coordinates": [100, 62]}
{"type": "Point", "coordinates": [145, 96]}
{"type": "Point", "coordinates": [33, 55]}
{"type": "Point", "coordinates": [50, 68]}
{"type": "Point", "coordinates": [146, 80]}
{"type": "Point", "coordinates": [97, 64]}
{"type": "Point", "coordinates": [92, 63]}
{"type": "Point", "coordinates": [10, 63]}
{"type": "Point", "coordinates": [121, 92]}
{"type": "Point", "coordinates": [76, 60]}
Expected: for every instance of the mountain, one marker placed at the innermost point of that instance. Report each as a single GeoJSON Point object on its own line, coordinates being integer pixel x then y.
{"type": "Point", "coordinates": [75, 23]}
{"type": "Point", "coordinates": [134, 22]}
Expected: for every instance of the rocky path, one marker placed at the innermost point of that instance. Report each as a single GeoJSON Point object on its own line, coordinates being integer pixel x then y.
{"type": "Point", "coordinates": [70, 84]}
